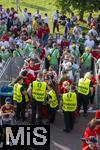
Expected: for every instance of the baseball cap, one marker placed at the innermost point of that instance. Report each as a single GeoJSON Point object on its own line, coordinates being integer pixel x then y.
{"type": "Point", "coordinates": [97, 114]}
{"type": "Point", "coordinates": [8, 100]}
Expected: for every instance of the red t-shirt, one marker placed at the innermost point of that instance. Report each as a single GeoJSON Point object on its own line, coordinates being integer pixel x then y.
{"type": "Point", "coordinates": [88, 132]}
{"type": "Point", "coordinates": [98, 130]}
{"type": "Point", "coordinates": [96, 53]}
{"type": "Point", "coordinates": [34, 68]}
{"type": "Point", "coordinates": [29, 79]}
{"type": "Point", "coordinates": [64, 43]}
{"type": "Point", "coordinates": [42, 53]}
{"type": "Point", "coordinates": [47, 30]}
{"type": "Point", "coordinates": [6, 109]}
{"type": "Point", "coordinates": [40, 32]}
{"type": "Point", "coordinates": [5, 37]}
{"type": "Point", "coordinates": [93, 80]}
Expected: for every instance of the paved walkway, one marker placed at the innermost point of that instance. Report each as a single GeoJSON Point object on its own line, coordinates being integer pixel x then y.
{"type": "Point", "coordinates": [67, 141]}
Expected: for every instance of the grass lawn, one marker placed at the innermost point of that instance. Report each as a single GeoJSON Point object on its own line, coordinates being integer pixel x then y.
{"type": "Point", "coordinates": [45, 6]}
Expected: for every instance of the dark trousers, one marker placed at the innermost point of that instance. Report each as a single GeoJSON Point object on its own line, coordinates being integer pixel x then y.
{"type": "Point", "coordinates": [20, 111]}
{"type": "Point", "coordinates": [83, 100]}
{"type": "Point", "coordinates": [69, 120]}
{"type": "Point", "coordinates": [36, 106]}
{"type": "Point", "coordinates": [92, 98]}
{"type": "Point", "coordinates": [52, 114]}
{"type": "Point", "coordinates": [47, 64]}
{"type": "Point", "coordinates": [55, 25]}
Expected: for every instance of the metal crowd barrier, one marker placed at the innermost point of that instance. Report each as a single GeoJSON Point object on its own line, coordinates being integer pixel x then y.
{"type": "Point", "coordinates": [97, 93]}
{"type": "Point", "coordinates": [11, 70]}
{"type": "Point", "coordinates": [4, 67]}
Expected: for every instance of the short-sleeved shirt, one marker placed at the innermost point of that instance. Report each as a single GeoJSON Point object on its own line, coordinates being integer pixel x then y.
{"type": "Point", "coordinates": [54, 56]}
{"type": "Point", "coordinates": [87, 59]}
{"type": "Point", "coordinates": [7, 109]}
{"type": "Point", "coordinates": [18, 53]}
{"type": "Point", "coordinates": [5, 55]}
{"type": "Point", "coordinates": [28, 48]}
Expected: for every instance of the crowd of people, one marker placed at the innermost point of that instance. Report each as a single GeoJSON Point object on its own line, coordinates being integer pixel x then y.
{"type": "Point", "coordinates": [65, 81]}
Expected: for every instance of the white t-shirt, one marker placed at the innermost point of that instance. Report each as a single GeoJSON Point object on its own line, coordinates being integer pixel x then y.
{"type": "Point", "coordinates": [55, 16]}
{"type": "Point", "coordinates": [25, 16]}
{"type": "Point", "coordinates": [89, 43]}
{"type": "Point", "coordinates": [45, 20]}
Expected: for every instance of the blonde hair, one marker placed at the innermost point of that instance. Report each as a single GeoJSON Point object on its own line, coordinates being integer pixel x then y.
{"type": "Point", "coordinates": [87, 75]}
{"type": "Point", "coordinates": [87, 49]}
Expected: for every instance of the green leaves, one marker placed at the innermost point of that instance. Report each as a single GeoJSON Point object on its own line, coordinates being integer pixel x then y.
{"type": "Point", "coordinates": [80, 5]}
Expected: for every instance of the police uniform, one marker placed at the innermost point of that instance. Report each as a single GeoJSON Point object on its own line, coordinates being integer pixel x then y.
{"type": "Point", "coordinates": [69, 105]}
{"type": "Point", "coordinates": [53, 105]}
{"type": "Point", "coordinates": [20, 100]}
{"type": "Point", "coordinates": [38, 97]}
{"type": "Point", "coordinates": [83, 93]}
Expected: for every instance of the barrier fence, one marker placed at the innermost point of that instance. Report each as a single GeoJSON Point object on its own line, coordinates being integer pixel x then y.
{"type": "Point", "coordinates": [11, 70]}
{"type": "Point", "coordinates": [97, 93]}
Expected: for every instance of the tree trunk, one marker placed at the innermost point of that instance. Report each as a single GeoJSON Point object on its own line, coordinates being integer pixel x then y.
{"type": "Point", "coordinates": [81, 15]}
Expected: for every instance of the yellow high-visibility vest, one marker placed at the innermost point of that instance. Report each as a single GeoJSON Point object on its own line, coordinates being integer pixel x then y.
{"type": "Point", "coordinates": [84, 86]}
{"type": "Point", "coordinates": [15, 92]}
{"type": "Point", "coordinates": [17, 95]}
{"type": "Point", "coordinates": [39, 90]}
{"type": "Point", "coordinates": [53, 99]}
{"type": "Point", "coordinates": [26, 97]}
{"type": "Point", "coordinates": [69, 101]}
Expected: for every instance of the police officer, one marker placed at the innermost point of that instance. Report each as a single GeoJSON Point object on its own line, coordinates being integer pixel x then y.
{"type": "Point", "coordinates": [69, 105]}
{"type": "Point", "coordinates": [53, 103]}
{"type": "Point", "coordinates": [38, 93]}
{"type": "Point", "coordinates": [85, 88]}
{"type": "Point", "coordinates": [20, 96]}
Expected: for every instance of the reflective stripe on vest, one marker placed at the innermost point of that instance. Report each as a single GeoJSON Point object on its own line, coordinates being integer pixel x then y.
{"type": "Point", "coordinates": [69, 101]}
{"type": "Point", "coordinates": [53, 99]}
{"type": "Point", "coordinates": [17, 93]}
{"type": "Point", "coordinates": [26, 97]}
{"type": "Point", "coordinates": [83, 86]}
{"type": "Point", "coordinates": [39, 90]}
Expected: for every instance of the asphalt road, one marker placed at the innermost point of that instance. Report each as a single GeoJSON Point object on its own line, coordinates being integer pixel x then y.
{"type": "Point", "coordinates": [60, 140]}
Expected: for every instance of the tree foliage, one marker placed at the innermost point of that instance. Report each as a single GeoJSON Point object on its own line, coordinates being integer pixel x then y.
{"type": "Point", "coordinates": [80, 5]}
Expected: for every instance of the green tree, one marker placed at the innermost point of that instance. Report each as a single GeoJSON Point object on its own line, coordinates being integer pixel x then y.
{"type": "Point", "coordinates": [80, 5]}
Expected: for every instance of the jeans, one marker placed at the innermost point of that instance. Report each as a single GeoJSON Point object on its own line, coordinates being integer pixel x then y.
{"type": "Point", "coordinates": [45, 38]}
